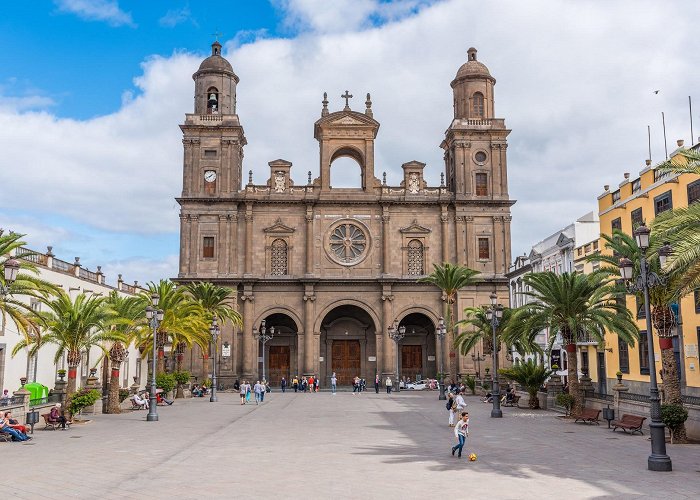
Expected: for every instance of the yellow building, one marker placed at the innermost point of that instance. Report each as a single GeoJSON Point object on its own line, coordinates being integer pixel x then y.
{"type": "Point", "coordinates": [641, 199]}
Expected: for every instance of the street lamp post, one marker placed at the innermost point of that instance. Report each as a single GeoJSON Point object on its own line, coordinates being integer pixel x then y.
{"type": "Point", "coordinates": [263, 337]}
{"type": "Point", "coordinates": [154, 316]}
{"type": "Point", "coordinates": [11, 271]}
{"type": "Point", "coordinates": [214, 330]}
{"type": "Point", "coordinates": [478, 358]}
{"type": "Point", "coordinates": [494, 315]}
{"type": "Point", "coordinates": [440, 333]}
{"type": "Point", "coordinates": [396, 333]}
{"type": "Point", "coordinates": [658, 460]}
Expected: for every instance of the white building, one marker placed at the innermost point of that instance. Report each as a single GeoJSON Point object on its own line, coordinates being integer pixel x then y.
{"type": "Point", "coordinates": [74, 279]}
{"type": "Point", "coordinates": [556, 253]}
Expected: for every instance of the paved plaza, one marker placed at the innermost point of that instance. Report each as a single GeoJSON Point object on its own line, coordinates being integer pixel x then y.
{"type": "Point", "coordinates": [343, 446]}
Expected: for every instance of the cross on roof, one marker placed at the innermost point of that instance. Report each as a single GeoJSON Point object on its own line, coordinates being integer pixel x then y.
{"type": "Point", "coordinates": [217, 34]}
{"type": "Point", "coordinates": [347, 96]}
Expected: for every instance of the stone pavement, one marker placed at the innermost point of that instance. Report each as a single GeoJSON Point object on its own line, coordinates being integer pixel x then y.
{"type": "Point", "coordinates": [312, 446]}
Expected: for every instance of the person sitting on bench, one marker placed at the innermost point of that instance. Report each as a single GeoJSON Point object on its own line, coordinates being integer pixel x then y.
{"type": "Point", "coordinates": [14, 423]}
{"type": "Point", "coordinates": [55, 416]}
{"type": "Point", "coordinates": [141, 403]}
{"type": "Point", "coordinates": [16, 435]}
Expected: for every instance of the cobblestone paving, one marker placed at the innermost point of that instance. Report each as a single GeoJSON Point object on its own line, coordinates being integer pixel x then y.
{"type": "Point", "coordinates": [312, 446]}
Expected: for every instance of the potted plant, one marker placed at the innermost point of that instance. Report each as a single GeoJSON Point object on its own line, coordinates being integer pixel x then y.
{"type": "Point", "coordinates": [82, 399]}
{"type": "Point", "coordinates": [565, 400]}
{"type": "Point", "coordinates": [61, 374]}
{"type": "Point", "coordinates": [674, 415]}
{"type": "Point", "coordinates": [619, 377]}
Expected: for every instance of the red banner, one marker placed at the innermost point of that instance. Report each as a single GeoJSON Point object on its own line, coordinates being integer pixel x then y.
{"type": "Point", "coordinates": [115, 373]}
{"type": "Point", "coordinates": [665, 343]}
{"type": "Point", "coordinates": [72, 373]}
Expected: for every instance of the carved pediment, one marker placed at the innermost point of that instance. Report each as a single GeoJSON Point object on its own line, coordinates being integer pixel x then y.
{"type": "Point", "coordinates": [415, 228]}
{"type": "Point", "coordinates": [564, 240]}
{"type": "Point", "coordinates": [279, 228]}
{"type": "Point", "coordinates": [347, 120]}
{"type": "Point", "coordinates": [534, 256]}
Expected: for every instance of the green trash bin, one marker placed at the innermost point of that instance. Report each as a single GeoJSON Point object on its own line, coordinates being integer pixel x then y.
{"type": "Point", "coordinates": [37, 391]}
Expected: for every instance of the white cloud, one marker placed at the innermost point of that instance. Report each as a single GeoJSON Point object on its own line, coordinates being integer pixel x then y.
{"type": "Point", "coordinates": [177, 16]}
{"type": "Point", "coordinates": [143, 269]}
{"type": "Point", "coordinates": [97, 10]}
{"type": "Point", "coordinates": [574, 87]}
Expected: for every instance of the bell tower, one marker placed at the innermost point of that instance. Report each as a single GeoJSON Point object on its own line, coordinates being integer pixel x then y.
{"type": "Point", "coordinates": [213, 136]}
{"type": "Point", "coordinates": [475, 142]}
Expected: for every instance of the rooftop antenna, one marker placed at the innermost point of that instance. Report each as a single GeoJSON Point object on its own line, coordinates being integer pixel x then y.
{"type": "Point", "coordinates": [663, 122]}
{"type": "Point", "coordinates": [690, 109]}
{"type": "Point", "coordinates": [649, 141]}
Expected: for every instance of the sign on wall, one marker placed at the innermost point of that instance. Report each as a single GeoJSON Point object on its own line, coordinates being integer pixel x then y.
{"type": "Point", "coordinates": [226, 351]}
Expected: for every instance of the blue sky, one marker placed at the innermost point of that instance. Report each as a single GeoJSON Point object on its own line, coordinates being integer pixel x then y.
{"type": "Point", "coordinates": [92, 92]}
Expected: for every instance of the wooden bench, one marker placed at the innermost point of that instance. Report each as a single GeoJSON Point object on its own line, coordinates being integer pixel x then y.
{"type": "Point", "coordinates": [52, 425]}
{"type": "Point", "coordinates": [512, 402]}
{"type": "Point", "coordinates": [632, 423]}
{"type": "Point", "coordinates": [4, 436]}
{"type": "Point", "coordinates": [588, 416]}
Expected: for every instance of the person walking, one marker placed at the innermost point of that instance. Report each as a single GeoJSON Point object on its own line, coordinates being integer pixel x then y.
{"type": "Point", "coordinates": [263, 390]}
{"type": "Point", "coordinates": [461, 433]}
{"type": "Point", "coordinates": [388, 385]}
{"type": "Point", "coordinates": [243, 390]}
{"type": "Point", "coordinates": [248, 390]}
{"type": "Point", "coordinates": [295, 383]}
{"type": "Point", "coordinates": [355, 385]}
{"type": "Point", "coordinates": [316, 384]}
{"type": "Point", "coordinates": [460, 403]}
{"type": "Point", "coordinates": [311, 383]}
{"type": "Point", "coordinates": [257, 389]}
{"type": "Point", "coordinates": [283, 385]}
{"type": "Point", "coordinates": [334, 382]}
{"type": "Point", "coordinates": [451, 408]}
{"type": "Point", "coordinates": [377, 382]}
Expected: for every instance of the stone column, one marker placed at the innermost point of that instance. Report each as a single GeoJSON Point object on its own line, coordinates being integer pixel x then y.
{"type": "Point", "coordinates": [496, 181]}
{"type": "Point", "coordinates": [460, 237]}
{"type": "Point", "coordinates": [187, 167]}
{"type": "Point", "coordinates": [233, 244]}
{"type": "Point", "coordinates": [618, 389]}
{"type": "Point", "coordinates": [386, 256]}
{"type": "Point", "coordinates": [469, 249]}
{"type": "Point", "coordinates": [498, 246]}
{"type": "Point", "coordinates": [444, 219]}
{"type": "Point", "coordinates": [248, 239]}
{"type": "Point", "coordinates": [184, 244]}
{"type": "Point", "coordinates": [248, 364]}
{"type": "Point", "coordinates": [506, 237]}
{"type": "Point", "coordinates": [388, 359]}
{"type": "Point", "coordinates": [309, 240]}
{"type": "Point", "coordinates": [309, 299]}
{"type": "Point", "coordinates": [222, 258]}
{"type": "Point", "coordinates": [554, 387]}
{"type": "Point", "coordinates": [193, 256]}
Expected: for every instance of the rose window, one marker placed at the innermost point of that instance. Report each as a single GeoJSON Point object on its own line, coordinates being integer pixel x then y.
{"type": "Point", "coordinates": [348, 243]}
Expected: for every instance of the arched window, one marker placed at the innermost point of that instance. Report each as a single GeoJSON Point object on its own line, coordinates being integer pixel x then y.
{"type": "Point", "coordinates": [212, 100]}
{"type": "Point", "coordinates": [415, 258]}
{"type": "Point", "coordinates": [278, 258]}
{"type": "Point", "coordinates": [478, 104]}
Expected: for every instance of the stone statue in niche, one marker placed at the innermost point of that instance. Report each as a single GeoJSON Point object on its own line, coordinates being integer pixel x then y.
{"type": "Point", "coordinates": [279, 182]}
{"type": "Point", "coordinates": [413, 183]}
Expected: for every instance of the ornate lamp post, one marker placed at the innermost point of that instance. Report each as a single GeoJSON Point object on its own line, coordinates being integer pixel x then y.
{"type": "Point", "coordinates": [658, 460]}
{"type": "Point", "coordinates": [494, 315]}
{"type": "Point", "coordinates": [11, 271]}
{"type": "Point", "coordinates": [264, 338]}
{"type": "Point", "coordinates": [214, 330]}
{"type": "Point", "coordinates": [440, 333]}
{"type": "Point", "coordinates": [154, 316]}
{"type": "Point", "coordinates": [396, 333]}
{"type": "Point", "coordinates": [478, 358]}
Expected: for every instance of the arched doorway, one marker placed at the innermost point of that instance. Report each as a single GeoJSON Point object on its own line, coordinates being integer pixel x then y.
{"type": "Point", "coordinates": [417, 359]}
{"type": "Point", "coordinates": [348, 345]}
{"type": "Point", "coordinates": [281, 351]}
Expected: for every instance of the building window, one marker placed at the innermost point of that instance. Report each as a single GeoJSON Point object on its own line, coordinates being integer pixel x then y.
{"type": "Point", "coordinates": [696, 298]}
{"type": "Point", "coordinates": [478, 104]}
{"type": "Point", "coordinates": [208, 247]}
{"type": "Point", "coordinates": [484, 249]}
{"type": "Point", "coordinates": [616, 224]}
{"type": "Point", "coordinates": [595, 245]}
{"type": "Point", "coordinates": [623, 348]}
{"type": "Point", "coordinates": [693, 192]}
{"type": "Point", "coordinates": [278, 258]}
{"type": "Point", "coordinates": [641, 313]}
{"type": "Point", "coordinates": [212, 101]}
{"type": "Point", "coordinates": [210, 153]}
{"type": "Point", "coordinates": [636, 186]}
{"type": "Point", "coordinates": [482, 188]}
{"type": "Point", "coordinates": [616, 196]}
{"type": "Point", "coordinates": [643, 353]}
{"type": "Point", "coordinates": [587, 248]}
{"type": "Point", "coordinates": [663, 203]}
{"type": "Point", "coordinates": [637, 218]}
{"type": "Point", "coordinates": [415, 258]}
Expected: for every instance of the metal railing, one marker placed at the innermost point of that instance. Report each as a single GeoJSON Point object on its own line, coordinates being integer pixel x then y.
{"type": "Point", "coordinates": [51, 398]}
{"type": "Point", "coordinates": [88, 275]}
{"type": "Point", "coordinates": [640, 398]}
{"type": "Point", "coordinates": [12, 401]}
{"type": "Point", "coordinates": [31, 256]}
{"type": "Point", "coordinates": [691, 400]}
{"type": "Point", "coordinates": [604, 397]}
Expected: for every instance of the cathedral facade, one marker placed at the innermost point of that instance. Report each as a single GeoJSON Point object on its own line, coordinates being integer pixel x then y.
{"type": "Point", "coordinates": [329, 271]}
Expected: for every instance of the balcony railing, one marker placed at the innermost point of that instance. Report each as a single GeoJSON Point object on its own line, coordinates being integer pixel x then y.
{"type": "Point", "coordinates": [30, 256]}
{"type": "Point", "coordinates": [62, 265]}
{"type": "Point", "coordinates": [88, 275]}
{"type": "Point", "coordinates": [586, 339]}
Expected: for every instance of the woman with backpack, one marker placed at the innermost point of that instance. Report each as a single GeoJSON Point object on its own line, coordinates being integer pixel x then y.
{"type": "Point", "coordinates": [451, 407]}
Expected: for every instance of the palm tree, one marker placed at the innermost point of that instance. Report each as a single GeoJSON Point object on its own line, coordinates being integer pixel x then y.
{"type": "Point", "coordinates": [573, 305]}
{"type": "Point", "coordinates": [26, 284]}
{"type": "Point", "coordinates": [476, 317]}
{"type": "Point", "coordinates": [450, 278]}
{"type": "Point", "coordinates": [661, 297]}
{"type": "Point", "coordinates": [183, 322]}
{"type": "Point", "coordinates": [126, 319]}
{"type": "Point", "coordinates": [75, 326]}
{"type": "Point", "coordinates": [216, 302]}
{"type": "Point", "coordinates": [531, 376]}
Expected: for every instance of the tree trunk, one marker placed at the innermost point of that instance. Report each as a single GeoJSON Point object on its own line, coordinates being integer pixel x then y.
{"type": "Point", "coordinates": [664, 321]}
{"type": "Point", "coordinates": [113, 395]}
{"type": "Point", "coordinates": [71, 386]}
{"type": "Point", "coordinates": [160, 364]}
{"type": "Point", "coordinates": [533, 403]}
{"type": "Point", "coordinates": [574, 389]}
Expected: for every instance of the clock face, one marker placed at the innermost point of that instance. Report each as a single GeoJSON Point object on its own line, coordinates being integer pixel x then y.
{"type": "Point", "coordinates": [210, 176]}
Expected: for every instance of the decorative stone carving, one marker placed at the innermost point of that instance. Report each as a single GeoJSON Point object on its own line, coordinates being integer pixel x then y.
{"type": "Point", "coordinates": [279, 182]}
{"type": "Point", "coordinates": [413, 183]}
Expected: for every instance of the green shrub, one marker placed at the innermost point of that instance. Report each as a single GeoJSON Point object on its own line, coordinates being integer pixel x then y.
{"type": "Point", "coordinates": [83, 398]}
{"type": "Point", "coordinates": [207, 382]}
{"type": "Point", "coordinates": [470, 382]}
{"type": "Point", "coordinates": [165, 381]}
{"type": "Point", "coordinates": [565, 400]}
{"type": "Point", "coordinates": [673, 415]}
{"type": "Point", "coordinates": [182, 377]}
{"type": "Point", "coordinates": [531, 376]}
{"type": "Point", "coordinates": [123, 394]}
